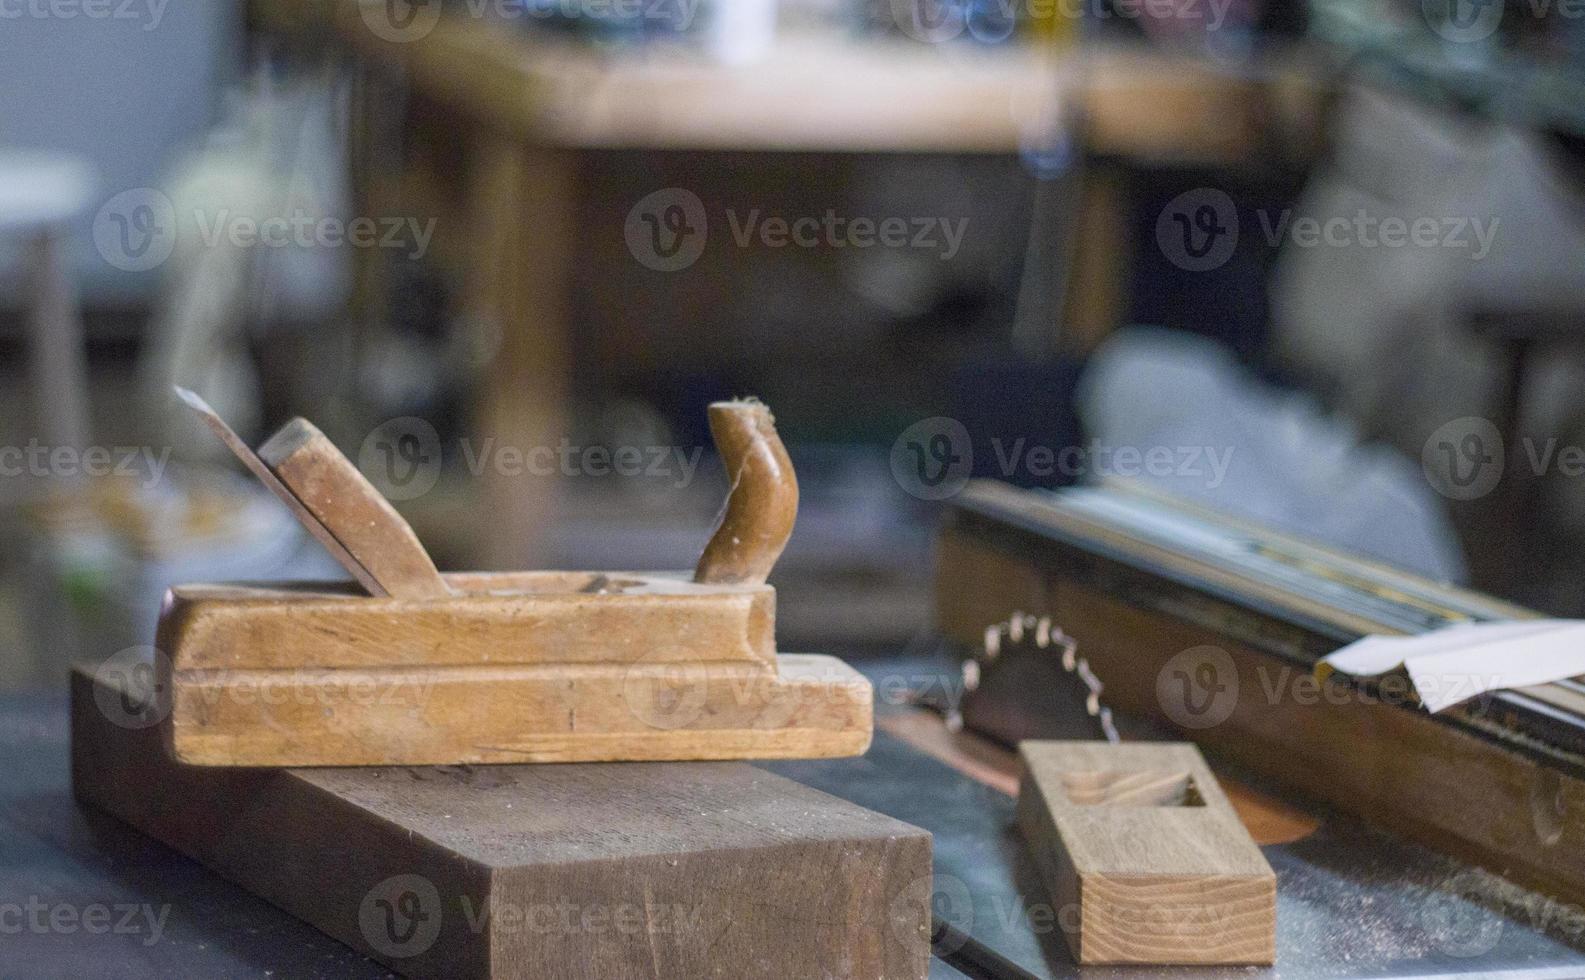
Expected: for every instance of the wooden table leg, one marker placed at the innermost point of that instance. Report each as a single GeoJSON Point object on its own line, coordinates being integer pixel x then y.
{"type": "Point", "coordinates": [522, 200]}
{"type": "Point", "coordinates": [58, 357]}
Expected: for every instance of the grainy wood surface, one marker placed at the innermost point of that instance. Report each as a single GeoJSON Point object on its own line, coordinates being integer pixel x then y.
{"type": "Point", "coordinates": [513, 667]}
{"type": "Point", "coordinates": [762, 504]}
{"type": "Point", "coordinates": [349, 506]}
{"type": "Point", "coordinates": [492, 619]}
{"type": "Point", "coordinates": [251, 461]}
{"type": "Point", "coordinates": [812, 707]}
{"type": "Point", "coordinates": [594, 871]}
{"type": "Point", "coordinates": [1144, 857]}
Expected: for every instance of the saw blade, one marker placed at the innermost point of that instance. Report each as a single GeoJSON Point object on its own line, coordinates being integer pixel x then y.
{"type": "Point", "coordinates": [1026, 664]}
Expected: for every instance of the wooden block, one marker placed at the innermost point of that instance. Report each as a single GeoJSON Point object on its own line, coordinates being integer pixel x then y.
{"type": "Point", "coordinates": [346, 503]}
{"type": "Point", "coordinates": [811, 707]}
{"type": "Point", "coordinates": [1144, 857]}
{"type": "Point", "coordinates": [494, 619]}
{"type": "Point", "coordinates": [590, 871]}
{"type": "Point", "coordinates": [514, 667]}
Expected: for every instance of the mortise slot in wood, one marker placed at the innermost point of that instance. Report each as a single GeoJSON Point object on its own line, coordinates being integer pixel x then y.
{"type": "Point", "coordinates": [1144, 788]}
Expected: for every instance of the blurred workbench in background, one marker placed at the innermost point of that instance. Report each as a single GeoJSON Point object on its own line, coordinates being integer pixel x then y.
{"type": "Point", "coordinates": [497, 121]}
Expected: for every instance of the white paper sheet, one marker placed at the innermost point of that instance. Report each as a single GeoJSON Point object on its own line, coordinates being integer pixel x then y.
{"type": "Point", "coordinates": [1451, 665]}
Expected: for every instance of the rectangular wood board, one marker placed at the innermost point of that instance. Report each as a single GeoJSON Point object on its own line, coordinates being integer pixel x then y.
{"type": "Point", "coordinates": [681, 870]}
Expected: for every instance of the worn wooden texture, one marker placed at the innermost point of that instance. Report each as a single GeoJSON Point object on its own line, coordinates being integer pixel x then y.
{"type": "Point", "coordinates": [762, 504]}
{"type": "Point", "coordinates": [680, 870]}
{"type": "Point", "coordinates": [515, 667]}
{"type": "Point", "coordinates": [812, 707]}
{"type": "Point", "coordinates": [491, 620]}
{"type": "Point", "coordinates": [1399, 768]}
{"type": "Point", "coordinates": [250, 459]}
{"type": "Point", "coordinates": [349, 506]}
{"type": "Point", "coordinates": [1144, 856]}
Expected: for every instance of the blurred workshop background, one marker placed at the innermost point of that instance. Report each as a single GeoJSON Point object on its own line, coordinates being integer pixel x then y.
{"type": "Point", "coordinates": [1312, 262]}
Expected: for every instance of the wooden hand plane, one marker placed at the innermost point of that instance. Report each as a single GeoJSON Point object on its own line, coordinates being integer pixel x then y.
{"type": "Point", "coordinates": [408, 666]}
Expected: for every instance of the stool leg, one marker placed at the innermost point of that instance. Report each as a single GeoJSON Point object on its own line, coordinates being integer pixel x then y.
{"type": "Point", "coordinates": [58, 356]}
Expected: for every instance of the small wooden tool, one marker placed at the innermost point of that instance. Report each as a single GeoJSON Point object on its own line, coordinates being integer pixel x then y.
{"type": "Point", "coordinates": [434, 669]}
{"type": "Point", "coordinates": [1145, 859]}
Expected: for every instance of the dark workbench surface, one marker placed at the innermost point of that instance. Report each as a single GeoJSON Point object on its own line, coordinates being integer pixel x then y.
{"type": "Point", "coordinates": [83, 896]}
